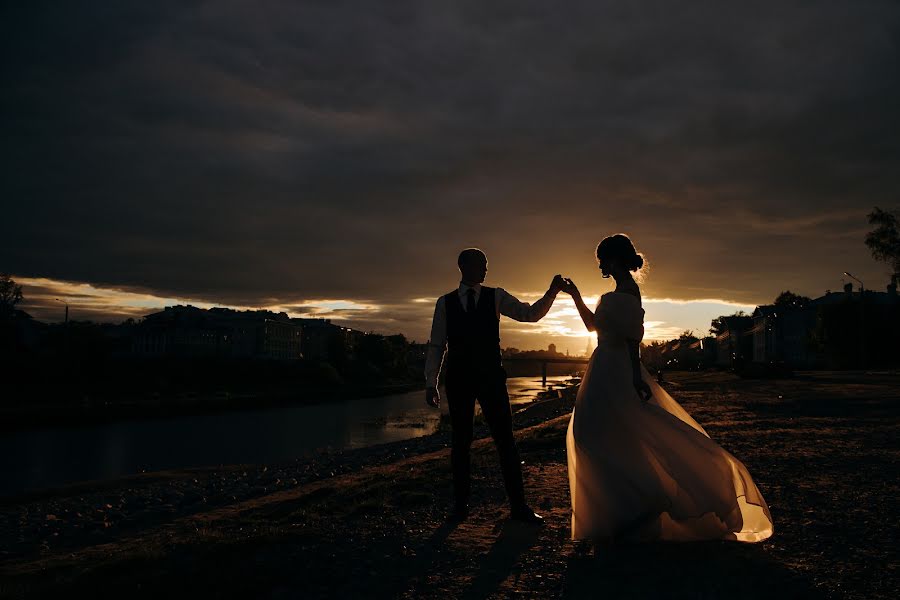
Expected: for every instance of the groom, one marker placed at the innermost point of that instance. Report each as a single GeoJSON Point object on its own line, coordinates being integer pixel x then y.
{"type": "Point", "coordinates": [467, 325]}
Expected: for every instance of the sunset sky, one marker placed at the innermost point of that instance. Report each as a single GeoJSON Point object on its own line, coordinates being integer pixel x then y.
{"type": "Point", "coordinates": [332, 158]}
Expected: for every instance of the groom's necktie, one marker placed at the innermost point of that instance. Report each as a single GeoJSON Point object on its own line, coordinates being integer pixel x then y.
{"type": "Point", "coordinates": [470, 301]}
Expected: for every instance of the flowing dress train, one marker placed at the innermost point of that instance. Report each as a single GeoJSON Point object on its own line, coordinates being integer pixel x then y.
{"type": "Point", "coordinates": [649, 471]}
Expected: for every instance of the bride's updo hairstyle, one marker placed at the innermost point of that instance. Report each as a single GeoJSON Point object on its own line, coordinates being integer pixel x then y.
{"type": "Point", "coordinates": [619, 246]}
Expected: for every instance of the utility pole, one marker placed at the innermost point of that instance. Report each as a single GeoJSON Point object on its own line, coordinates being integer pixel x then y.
{"type": "Point", "coordinates": [66, 322]}
{"type": "Point", "coordinates": [65, 327]}
{"type": "Point", "coordinates": [862, 321]}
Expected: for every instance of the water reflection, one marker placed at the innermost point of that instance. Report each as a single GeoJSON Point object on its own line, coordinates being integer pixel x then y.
{"type": "Point", "coordinates": [49, 457]}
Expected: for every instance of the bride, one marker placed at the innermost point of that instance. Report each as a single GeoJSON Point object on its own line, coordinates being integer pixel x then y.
{"type": "Point", "coordinates": [640, 468]}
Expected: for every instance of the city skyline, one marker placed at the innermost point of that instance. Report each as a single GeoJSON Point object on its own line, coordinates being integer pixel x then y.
{"type": "Point", "coordinates": [666, 319]}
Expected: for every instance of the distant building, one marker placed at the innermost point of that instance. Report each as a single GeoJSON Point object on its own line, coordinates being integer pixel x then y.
{"type": "Point", "coordinates": [837, 330]}
{"type": "Point", "coordinates": [764, 329]}
{"type": "Point", "coordinates": [734, 346]}
{"type": "Point", "coordinates": [218, 332]}
{"type": "Point", "coordinates": [323, 340]}
{"type": "Point", "coordinates": [784, 335]}
{"type": "Point", "coordinates": [682, 353]}
{"type": "Point", "coordinates": [21, 332]}
{"type": "Point", "coordinates": [550, 352]}
{"type": "Point", "coordinates": [708, 351]}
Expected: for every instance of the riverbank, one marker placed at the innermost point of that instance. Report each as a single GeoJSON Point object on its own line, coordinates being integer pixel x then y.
{"type": "Point", "coordinates": [371, 522]}
{"type": "Point", "coordinates": [95, 411]}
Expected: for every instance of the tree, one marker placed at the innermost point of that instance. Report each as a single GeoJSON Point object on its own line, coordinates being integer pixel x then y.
{"type": "Point", "coordinates": [884, 240]}
{"type": "Point", "coordinates": [718, 325]}
{"type": "Point", "coordinates": [789, 299]}
{"type": "Point", "coordinates": [10, 294]}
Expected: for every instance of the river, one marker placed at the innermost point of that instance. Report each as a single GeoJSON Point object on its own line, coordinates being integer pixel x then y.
{"type": "Point", "coordinates": [45, 458]}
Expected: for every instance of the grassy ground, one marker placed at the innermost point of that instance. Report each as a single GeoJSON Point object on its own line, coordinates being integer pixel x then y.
{"type": "Point", "coordinates": [822, 448]}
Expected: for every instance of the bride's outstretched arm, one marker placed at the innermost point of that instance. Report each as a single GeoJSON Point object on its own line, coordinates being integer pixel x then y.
{"type": "Point", "coordinates": [587, 315]}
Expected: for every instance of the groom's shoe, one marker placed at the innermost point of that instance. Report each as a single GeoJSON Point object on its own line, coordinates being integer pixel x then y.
{"type": "Point", "coordinates": [525, 515]}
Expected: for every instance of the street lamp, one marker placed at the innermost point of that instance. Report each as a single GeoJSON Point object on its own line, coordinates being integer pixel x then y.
{"type": "Point", "coordinates": [856, 280]}
{"type": "Point", "coordinates": [67, 309]}
{"type": "Point", "coordinates": [862, 330]}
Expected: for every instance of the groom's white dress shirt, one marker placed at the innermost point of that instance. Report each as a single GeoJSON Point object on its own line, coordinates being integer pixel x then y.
{"type": "Point", "coordinates": [505, 304]}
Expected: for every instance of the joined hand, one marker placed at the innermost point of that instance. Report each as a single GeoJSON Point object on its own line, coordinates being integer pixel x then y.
{"type": "Point", "coordinates": [569, 287]}
{"type": "Point", "coordinates": [558, 283]}
{"type": "Point", "coordinates": [563, 284]}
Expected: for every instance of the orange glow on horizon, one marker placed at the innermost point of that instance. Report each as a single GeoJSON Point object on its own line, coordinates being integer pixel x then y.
{"type": "Point", "coordinates": [665, 318]}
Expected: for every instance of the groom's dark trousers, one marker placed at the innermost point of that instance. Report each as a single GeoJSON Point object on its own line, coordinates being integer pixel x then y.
{"type": "Point", "coordinates": [474, 372]}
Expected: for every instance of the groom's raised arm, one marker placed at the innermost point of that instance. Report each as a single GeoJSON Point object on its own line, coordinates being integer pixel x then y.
{"type": "Point", "coordinates": [515, 309]}
{"type": "Point", "coordinates": [437, 344]}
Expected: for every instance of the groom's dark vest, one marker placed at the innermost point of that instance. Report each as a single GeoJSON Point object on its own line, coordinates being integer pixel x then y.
{"type": "Point", "coordinates": [473, 340]}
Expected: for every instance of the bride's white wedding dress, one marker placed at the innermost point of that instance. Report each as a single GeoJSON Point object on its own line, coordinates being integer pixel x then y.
{"type": "Point", "coordinates": [649, 471]}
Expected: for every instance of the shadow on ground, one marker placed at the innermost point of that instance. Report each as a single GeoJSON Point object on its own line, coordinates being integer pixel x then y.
{"type": "Point", "coordinates": [514, 540]}
{"type": "Point", "coordinates": [694, 570]}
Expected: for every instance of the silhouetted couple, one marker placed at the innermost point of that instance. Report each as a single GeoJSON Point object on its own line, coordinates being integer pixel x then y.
{"type": "Point", "coordinates": [640, 468]}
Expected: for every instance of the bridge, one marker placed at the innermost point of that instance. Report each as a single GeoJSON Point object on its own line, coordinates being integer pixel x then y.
{"type": "Point", "coordinates": [575, 360]}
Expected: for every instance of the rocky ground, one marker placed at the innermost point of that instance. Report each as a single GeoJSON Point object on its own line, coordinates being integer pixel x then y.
{"type": "Point", "coordinates": [822, 447]}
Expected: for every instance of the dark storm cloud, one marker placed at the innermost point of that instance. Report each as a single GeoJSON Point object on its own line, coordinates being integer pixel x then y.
{"type": "Point", "coordinates": [265, 152]}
